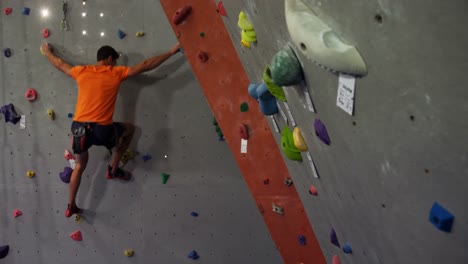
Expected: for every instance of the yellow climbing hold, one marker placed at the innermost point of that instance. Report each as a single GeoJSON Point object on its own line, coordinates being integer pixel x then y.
{"type": "Point", "coordinates": [245, 43]}
{"type": "Point", "coordinates": [243, 22]}
{"type": "Point", "coordinates": [127, 156]}
{"type": "Point", "coordinates": [140, 34]}
{"type": "Point", "coordinates": [299, 141]}
{"type": "Point", "coordinates": [30, 173]}
{"type": "Point", "coordinates": [129, 252]}
{"type": "Point", "coordinates": [51, 114]}
{"type": "Point", "coordinates": [78, 218]}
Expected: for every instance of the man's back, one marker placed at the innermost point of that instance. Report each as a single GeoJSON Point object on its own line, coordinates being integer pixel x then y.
{"type": "Point", "coordinates": [97, 92]}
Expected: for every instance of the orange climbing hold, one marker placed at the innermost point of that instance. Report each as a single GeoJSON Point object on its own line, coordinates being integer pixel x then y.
{"type": "Point", "coordinates": [181, 14]}
{"type": "Point", "coordinates": [220, 9]}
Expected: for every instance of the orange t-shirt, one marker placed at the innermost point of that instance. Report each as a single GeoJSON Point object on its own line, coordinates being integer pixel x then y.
{"type": "Point", "coordinates": [97, 92]}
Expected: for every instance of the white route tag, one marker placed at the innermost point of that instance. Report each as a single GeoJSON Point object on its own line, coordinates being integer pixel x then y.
{"type": "Point", "coordinates": [243, 146]}
{"type": "Point", "coordinates": [23, 122]}
{"type": "Point", "coordinates": [345, 95]}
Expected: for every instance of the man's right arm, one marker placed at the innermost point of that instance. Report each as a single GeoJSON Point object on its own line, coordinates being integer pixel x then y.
{"type": "Point", "coordinates": [152, 63]}
{"type": "Point", "coordinates": [57, 62]}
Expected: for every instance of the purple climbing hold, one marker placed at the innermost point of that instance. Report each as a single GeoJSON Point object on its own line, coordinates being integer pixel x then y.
{"type": "Point", "coordinates": [321, 131]}
{"type": "Point", "coordinates": [334, 238]}
{"type": "Point", "coordinates": [194, 214]}
{"type": "Point", "coordinates": [146, 157]}
{"type": "Point", "coordinates": [66, 174]}
{"type": "Point", "coordinates": [302, 240]}
{"type": "Point", "coordinates": [10, 114]}
{"type": "Point", "coordinates": [7, 52]}
{"type": "Point", "coordinates": [4, 251]}
{"type": "Point", "coordinates": [193, 255]}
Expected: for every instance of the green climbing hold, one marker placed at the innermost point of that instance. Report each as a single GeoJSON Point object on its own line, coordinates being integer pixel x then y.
{"type": "Point", "coordinates": [285, 67]}
{"type": "Point", "coordinates": [243, 22]}
{"type": "Point", "coordinates": [249, 36]}
{"type": "Point", "coordinates": [215, 122]}
{"type": "Point", "coordinates": [287, 145]}
{"type": "Point", "coordinates": [244, 107]}
{"type": "Point", "coordinates": [165, 177]}
{"type": "Point", "coordinates": [274, 89]}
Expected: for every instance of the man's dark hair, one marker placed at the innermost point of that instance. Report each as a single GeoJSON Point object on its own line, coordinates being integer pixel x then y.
{"type": "Point", "coordinates": [105, 51]}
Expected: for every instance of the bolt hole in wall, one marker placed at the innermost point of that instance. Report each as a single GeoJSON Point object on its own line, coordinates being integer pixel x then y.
{"type": "Point", "coordinates": [378, 18]}
{"type": "Point", "coordinates": [412, 117]}
{"type": "Point", "coordinates": [303, 46]}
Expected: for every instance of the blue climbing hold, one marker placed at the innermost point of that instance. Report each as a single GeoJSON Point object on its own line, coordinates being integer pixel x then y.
{"type": "Point", "coordinates": [194, 214]}
{"type": "Point", "coordinates": [26, 11]}
{"type": "Point", "coordinates": [441, 218]}
{"type": "Point", "coordinates": [302, 240]}
{"type": "Point", "coordinates": [121, 34]}
{"type": "Point", "coordinates": [347, 248]}
{"type": "Point", "coordinates": [7, 52]}
{"type": "Point", "coordinates": [146, 157]}
{"type": "Point", "coordinates": [70, 115]}
{"type": "Point", "coordinates": [265, 99]}
{"type": "Point", "coordinates": [4, 251]}
{"type": "Point", "coordinates": [193, 255]}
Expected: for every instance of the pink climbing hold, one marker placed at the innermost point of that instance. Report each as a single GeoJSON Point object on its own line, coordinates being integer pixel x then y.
{"type": "Point", "coordinates": [31, 95]}
{"type": "Point", "coordinates": [17, 213]}
{"type": "Point", "coordinates": [313, 190]}
{"type": "Point", "coordinates": [45, 33]}
{"type": "Point", "coordinates": [7, 10]}
{"type": "Point", "coordinates": [336, 260]}
{"type": "Point", "coordinates": [76, 236]}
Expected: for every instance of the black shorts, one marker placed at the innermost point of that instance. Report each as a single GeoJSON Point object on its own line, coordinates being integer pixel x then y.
{"type": "Point", "coordinates": [85, 135]}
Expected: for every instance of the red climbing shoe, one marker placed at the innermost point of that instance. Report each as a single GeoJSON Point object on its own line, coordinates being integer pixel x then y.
{"type": "Point", "coordinates": [71, 210]}
{"type": "Point", "coordinates": [119, 174]}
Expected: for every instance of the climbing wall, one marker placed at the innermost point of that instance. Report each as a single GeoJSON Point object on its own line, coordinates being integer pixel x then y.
{"type": "Point", "coordinates": [403, 148]}
{"type": "Point", "coordinates": [205, 204]}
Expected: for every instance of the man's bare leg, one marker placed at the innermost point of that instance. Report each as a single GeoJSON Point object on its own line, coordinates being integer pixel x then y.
{"type": "Point", "coordinates": [122, 145]}
{"type": "Point", "coordinates": [75, 179]}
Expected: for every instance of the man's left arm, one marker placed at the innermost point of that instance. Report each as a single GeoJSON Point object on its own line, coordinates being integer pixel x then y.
{"type": "Point", "coordinates": [57, 62]}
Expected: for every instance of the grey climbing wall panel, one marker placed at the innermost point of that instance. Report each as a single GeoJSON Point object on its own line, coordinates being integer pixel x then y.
{"type": "Point", "coordinates": [173, 120]}
{"type": "Point", "coordinates": [406, 145]}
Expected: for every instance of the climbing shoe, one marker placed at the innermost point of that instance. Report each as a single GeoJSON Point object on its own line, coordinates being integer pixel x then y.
{"type": "Point", "coordinates": [118, 174]}
{"type": "Point", "coordinates": [71, 210]}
